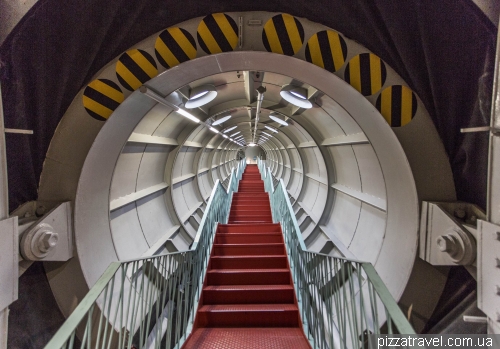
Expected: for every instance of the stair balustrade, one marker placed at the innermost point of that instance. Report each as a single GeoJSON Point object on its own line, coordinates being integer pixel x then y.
{"type": "Point", "coordinates": [148, 302]}
{"type": "Point", "coordinates": [341, 301]}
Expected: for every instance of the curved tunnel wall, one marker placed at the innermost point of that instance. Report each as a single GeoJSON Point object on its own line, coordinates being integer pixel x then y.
{"type": "Point", "coordinates": [315, 162]}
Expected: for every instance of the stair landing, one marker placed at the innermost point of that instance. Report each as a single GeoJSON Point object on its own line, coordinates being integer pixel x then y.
{"type": "Point", "coordinates": [248, 299]}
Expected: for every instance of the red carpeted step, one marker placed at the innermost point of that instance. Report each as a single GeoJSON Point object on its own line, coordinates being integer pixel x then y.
{"type": "Point", "coordinates": [248, 294]}
{"type": "Point", "coordinates": [248, 249]}
{"type": "Point", "coordinates": [248, 315]}
{"type": "Point", "coordinates": [247, 220]}
{"type": "Point", "coordinates": [249, 228]}
{"type": "Point", "coordinates": [245, 238]}
{"type": "Point", "coordinates": [240, 216]}
{"type": "Point", "coordinates": [249, 262]}
{"type": "Point", "coordinates": [248, 277]}
{"type": "Point", "coordinates": [248, 338]}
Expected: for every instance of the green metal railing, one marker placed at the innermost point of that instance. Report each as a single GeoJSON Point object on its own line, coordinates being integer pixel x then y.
{"type": "Point", "coordinates": [149, 302]}
{"type": "Point", "coordinates": [341, 301]}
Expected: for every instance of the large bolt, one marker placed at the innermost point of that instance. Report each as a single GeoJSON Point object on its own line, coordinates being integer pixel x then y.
{"type": "Point", "coordinates": [446, 243]}
{"type": "Point", "coordinates": [460, 213]}
{"type": "Point", "coordinates": [47, 241]}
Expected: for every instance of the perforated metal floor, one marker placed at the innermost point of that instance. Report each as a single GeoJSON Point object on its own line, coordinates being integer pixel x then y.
{"type": "Point", "coordinates": [248, 338]}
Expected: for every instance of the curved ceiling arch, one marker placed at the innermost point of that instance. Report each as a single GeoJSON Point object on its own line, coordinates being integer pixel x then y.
{"type": "Point", "coordinates": [199, 158]}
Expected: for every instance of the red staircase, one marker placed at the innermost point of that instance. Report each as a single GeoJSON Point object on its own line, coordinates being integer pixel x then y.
{"type": "Point", "coordinates": [248, 300]}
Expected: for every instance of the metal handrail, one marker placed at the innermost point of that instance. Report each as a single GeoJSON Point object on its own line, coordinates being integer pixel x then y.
{"type": "Point", "coordinates": [149, 302]}
{"type": "Point", "coordinates": [341, 301]}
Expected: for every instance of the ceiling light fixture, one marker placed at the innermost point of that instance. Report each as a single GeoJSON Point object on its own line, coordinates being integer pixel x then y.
{"type": "Point", "coordinates": [188, 115]}
{"type": "Point", "coordinates": [278, 120]}
{"type": "Point", "coordinates": [267, 134]}
{"type": "Point", "coordinates": [234, 134]}
{"type": "Point", "coordinates": [295, 95]}
{"type": "Point", "coordinates": [221, 120]}
{"type": "Point", "coordinates": [252, 145]}
{"type": "Point", "coordinates": [230, 129]}
{"type": "Point", "coordinates": [271, 129]}
{"type": "Point", "coordinates": [213, 129]}
{"type": "Point", "coordinates": [201, 95]}
{"type": "Point", "coordinates": [155, 96]}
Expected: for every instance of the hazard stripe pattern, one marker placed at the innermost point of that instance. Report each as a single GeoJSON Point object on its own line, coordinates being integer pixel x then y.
{"type": "Point", "coordinates": [397, 104]}
{"type": "Point", "coordinates": [174, 46]}
{"type": "Point", "coordinates": [283, 34]}
{"type": "Point", "coordinates": [217, 33]}
{"type": "Point", "coordinates": [101, 97]}
{"type": "Point", "coordinates": [327, 49]}
{"type": "Point", "coordinates": [366, 73]}
{"type": "Point", "coordinates": [134, 68]}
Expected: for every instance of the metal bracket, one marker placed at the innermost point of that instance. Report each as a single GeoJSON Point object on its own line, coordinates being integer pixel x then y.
{"type": "Point", "coordinates": [493, 130]}
{"type": "Point", "coordinates": [448, 233]}
{"type": "Point", "coordinates": [488, 270]}
{"type": "Point", "coordinates": [8, 262]}
{"type": "Point", "coordinates": [50, 238]}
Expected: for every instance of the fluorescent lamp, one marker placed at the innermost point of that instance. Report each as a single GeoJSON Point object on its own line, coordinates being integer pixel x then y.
{"type": "Point", "coordinates": [296, 96]}
{"type": "Point", "coordinates": [188, 115]}
{"type": "Point", "coordinates": [271, 129]}
{"type": "Point", "coordinates": [278, 120]}
{"type": "Point", "coordinates": [267, 134]}
{"type": "Point", "coordinates": [230, 129]}
{"type": "Point", "coordinates": [221, 120]}
{"type": "Point", "coordinates": [225, 136]}
{"type": "Point", "coordinates": [252, 145]}
{"type": "Point", "coordinates": [200, 96]}
{"type": "Point", "coordinates": [213, 129]}
{"type": "Point", "coordinates": [155, 96]}
{"type": "Point", "coordinates": [234, 134]}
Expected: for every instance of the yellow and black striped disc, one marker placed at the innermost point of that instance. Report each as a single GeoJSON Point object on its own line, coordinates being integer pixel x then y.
{"type": "Point", "coordinates": [217, 33]}
{"type": "Point", "coordinates": [174, 46]}
{"type": "Point", "coordinates": [366, 73]}
{"type": "Point", "coordinates": [398, 105]}
{"type": "Point", "coordinates": [101, 97]}
{"type": "Point", "coordinates": [134, 68]}
{"type": "Point", "coordinates": [283, 34]}
{"type": "Point", "coordinates": [327, 49]}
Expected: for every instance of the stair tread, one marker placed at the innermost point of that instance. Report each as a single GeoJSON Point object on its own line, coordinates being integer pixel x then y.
{"type": "Point", "coordinates": [244, 271]}
{"type": "Point", "coordinates": [253, 224]}
{"type": "Point", "coordinates": [248, 338]}
{"type": "Point", "coordinates": [273, 244]}
{"type": "Point", "coordinates": [247, 307]}
{"type": "Point", "coordinates": [269, 233]}
{"type": "Point", "coordinates": [250, 256]}
{"type": "Point", "coordinates": [247, 287]}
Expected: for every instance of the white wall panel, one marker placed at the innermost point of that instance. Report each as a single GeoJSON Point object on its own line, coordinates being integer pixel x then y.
{"type": "Point", "coordinates": [372, 179]}
{"type": "Point", "coordinates": [319, 205]}
{"type": "Point", "coordinates": [152, 168]}
{"type": "Point", "coordinates": [344, 217]}
{"type": "Point", "coordinates": [309, 194]}
{"type": "Point", "coordinates": [125, 173]}
{"type": "Point", "coordinates": [371, 224]}
{"type": "Point", "coordinates": [153, 216]}
{"type": "Point", "coordinates": [126, 232]}
{"type": "Point", "coordinates": [190, 194]}
{"type": "Point", "coordinates": [346, 167]}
